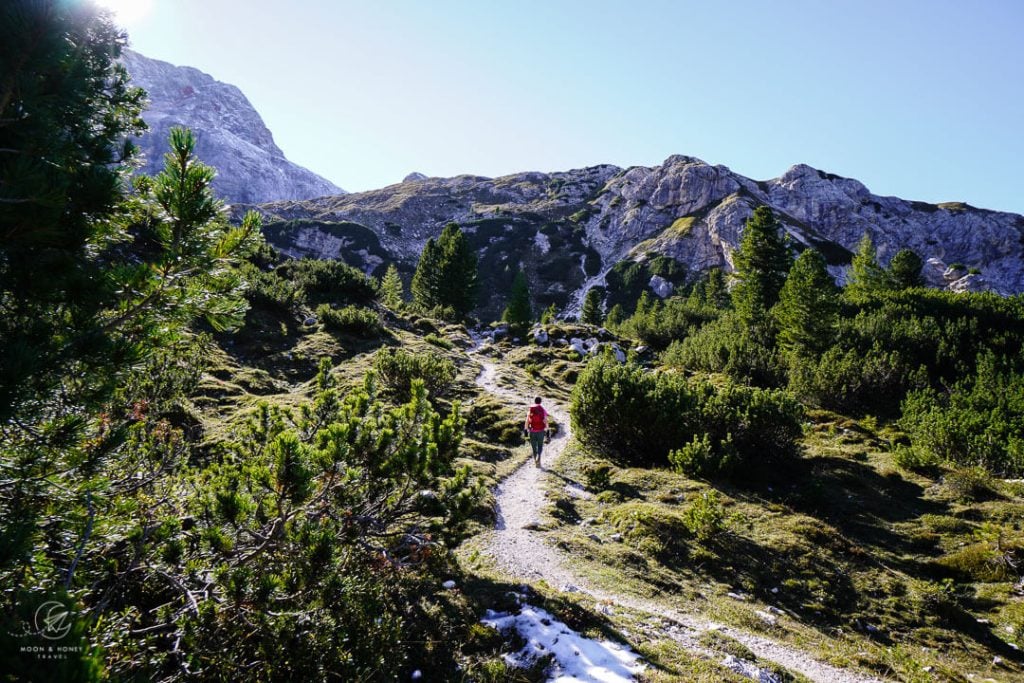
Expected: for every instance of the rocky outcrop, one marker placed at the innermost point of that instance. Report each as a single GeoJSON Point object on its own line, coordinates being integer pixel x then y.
{"type": "Point", "coordinates": [231, 136]}
{"type": "Point", "coordinates": [568, 229]}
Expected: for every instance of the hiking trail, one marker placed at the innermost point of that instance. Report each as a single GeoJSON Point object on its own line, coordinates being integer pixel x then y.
{"type": "Point", "coordinates": [519, 551]}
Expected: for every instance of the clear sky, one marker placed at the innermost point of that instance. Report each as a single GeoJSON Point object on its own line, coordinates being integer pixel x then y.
{"type": "Point", "coordinates": [920, 99]}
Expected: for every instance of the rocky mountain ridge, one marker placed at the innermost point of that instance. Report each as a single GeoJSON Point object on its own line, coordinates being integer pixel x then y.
{"type": "Point", "coordinates": [569, 229]}
{"type": "Point", "coordinates": [231, 135]}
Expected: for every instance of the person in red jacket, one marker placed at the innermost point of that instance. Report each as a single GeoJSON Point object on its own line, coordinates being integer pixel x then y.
{"type": "Point", "coordinates": [536, 428]}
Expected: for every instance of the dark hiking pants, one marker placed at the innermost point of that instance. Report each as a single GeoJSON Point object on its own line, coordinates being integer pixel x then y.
{"type": "Point", "coordinates": [537, 443]}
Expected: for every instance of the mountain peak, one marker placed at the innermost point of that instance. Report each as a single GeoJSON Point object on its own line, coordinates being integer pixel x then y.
{"type": "Point", "coordinates": [231, 136]}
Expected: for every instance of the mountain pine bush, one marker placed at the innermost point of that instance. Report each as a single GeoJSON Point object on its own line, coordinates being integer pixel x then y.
{"type": "Point", "coordinates": [653, 418]}
{"type": "Point", "coordinates": [398, 370]}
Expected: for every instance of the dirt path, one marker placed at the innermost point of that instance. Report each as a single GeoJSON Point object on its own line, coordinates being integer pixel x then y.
{"type": "Point", "coordinates": [523, 554]}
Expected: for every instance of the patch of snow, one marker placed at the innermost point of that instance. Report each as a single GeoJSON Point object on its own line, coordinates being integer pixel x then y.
{"type": "Point", "coordinates": [575, 657]}
{"type": "Point", "coordinates": [542, 242]}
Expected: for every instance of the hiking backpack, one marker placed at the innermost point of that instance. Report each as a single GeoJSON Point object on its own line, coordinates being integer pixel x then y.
{"type": "Point", "coordinates": [537, 419]}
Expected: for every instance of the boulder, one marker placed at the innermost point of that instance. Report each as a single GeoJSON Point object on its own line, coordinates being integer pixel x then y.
{"type": "Point", "coordinates": [661, 287]}
{"type": "Point", "coordinates": [540, 336]}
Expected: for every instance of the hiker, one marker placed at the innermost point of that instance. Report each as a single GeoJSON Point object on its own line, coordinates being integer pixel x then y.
{"type": "Point", "coordinates": [536, 428]}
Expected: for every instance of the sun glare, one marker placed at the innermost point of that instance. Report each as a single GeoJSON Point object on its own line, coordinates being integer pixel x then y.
{"type": "Point", "coordinates": [127, 12]}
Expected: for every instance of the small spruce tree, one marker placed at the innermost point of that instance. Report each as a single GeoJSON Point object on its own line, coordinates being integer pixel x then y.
{"type": "Point", "coordinates": [905, 270]}
{"type": "Point", "coordinates": [391, 291]}
{"type": "Point", "coordinates": [591, 313]}
{"type": "Point", "coordinates": [762, 262]}
{"type": "Point", "coordinates": [866, 276]}
{"type": "Point", "coordinates": [459, 282]}
{"type": "Point", "coordinates": [808, 308]}
{"type": "Point", "coordinates": [446, 274]}
{"type": "Point", "coordinates": [519, 313]}
{"type": "Point", "coordinates": [425, 281]}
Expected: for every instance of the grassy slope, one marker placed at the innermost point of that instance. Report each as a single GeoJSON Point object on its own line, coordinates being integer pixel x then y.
{"type": "Point", "coordinates": [853, 551]}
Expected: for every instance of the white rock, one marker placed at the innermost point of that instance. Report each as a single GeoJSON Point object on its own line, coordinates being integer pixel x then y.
{"type": "Point", "coordinates": [540, 336]}
{"type": "Point", "coordinates": [449, 584]}
{"type": "Point", "coordinates": [660, 286]}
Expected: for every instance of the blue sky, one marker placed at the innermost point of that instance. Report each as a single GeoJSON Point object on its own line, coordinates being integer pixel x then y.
{"type": "Point", "coordinates": [919, 99]}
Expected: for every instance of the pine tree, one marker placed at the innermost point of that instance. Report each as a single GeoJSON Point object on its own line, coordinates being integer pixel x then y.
{"type": "Point", "coordinates": [761, 262]}
{"type": "Point", "coordinates": [391, 291]}
{"type": "Point", "coordinates": [615, 317]}
{"type": "Point", "coordinates": [905, 270]}
{"type": "Point", "coordinates": [644, 304]}
{"type": "Point", "coordinates": [716, 291]}
{"type": "Point", "coordinates": [426, 288]}
{"type": "Point", "coordinates": [446, 275]}
{"type": "Point", "coordinates": [591, 313]}
{"type": "Point", "coordinates": [808, 308]}
{"type": "Point", "coordinates": [459, 283]}
{"type": "Point", "coordinates": [518, 312]}
{"type": "Point", "coordinates": [866, 276]}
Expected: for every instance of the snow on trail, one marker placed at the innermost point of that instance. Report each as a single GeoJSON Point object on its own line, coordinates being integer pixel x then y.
{"type": "Point", "coordinates": [576, 658]}
{"type": "Point", "coordinates": [522, 553]}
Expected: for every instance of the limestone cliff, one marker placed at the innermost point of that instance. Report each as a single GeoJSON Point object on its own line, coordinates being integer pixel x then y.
{"type": "Point", "coordinates": [231, 135]}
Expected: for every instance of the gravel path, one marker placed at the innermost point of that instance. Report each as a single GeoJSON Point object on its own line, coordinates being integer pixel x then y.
{"type": "Point", "coordinates": [522, 553]}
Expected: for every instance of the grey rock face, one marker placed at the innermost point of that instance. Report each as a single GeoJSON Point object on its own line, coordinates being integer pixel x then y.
{"type": "Point", "coordinates": [568, 229]}
{"type": "Point", "coordinates": [231, 136]}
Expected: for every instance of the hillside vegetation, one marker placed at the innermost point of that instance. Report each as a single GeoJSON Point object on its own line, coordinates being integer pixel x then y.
{"type": "Point", "coordinates": [218, 462]}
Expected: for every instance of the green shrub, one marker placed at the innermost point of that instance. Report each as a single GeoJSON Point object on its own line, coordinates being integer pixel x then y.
{"type": "Point", "coordinates": [623, 412]}
{"type": "Point", "coordinates": [854, 382]}
{"type": "Point", "coordinates": [980, 421]}
{"type": "Point", "coordinates": [728, 346]}
{"type": "Point", "coordinates": [352, 320]}
{"type": "Point", "coordinates": [330, 281]}
{"type": "Point", "coordinates": [397, 369]}
{"type": "Point", "coordinates": [969, 483]}
{"type": "Point", "coordinates": [267, 289]}
{"type": "Point", "coordinates": [913, 459]}
{"type": "Point", "coordinates": [701, 458]}
{"type": "Point", "coordinates": [437, 341]}
{"type": "Point", "coordinates": [661, 323]}
{"type": "Point", "coordinates": [705, 516]}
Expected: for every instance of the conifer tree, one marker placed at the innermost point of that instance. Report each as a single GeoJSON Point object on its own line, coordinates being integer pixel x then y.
{"type": "Point", "coordinates": [391, 291]}
{"type": "Point", "coordinates": [716, 291]}
{"type": "Point", "coordinates": [548, 316]}
{"type": "Point", "coordinates": [761, 262]}
{"type": "Point", "coordinates": [426, 281]}
{"type": "Point", "coordinates": [615, 317]}
{"type": "Point", "coordinates": [808, 308]}
{"type": "Point", "coordinates": [459, 282]}
{"type": "Point", "coordinates": [644, 304]}
{"type": "Point", "coordinates": [591, 313]}
{"type": "Point", "coordinates": [519, 313]}
{"type": "Point", "coordinates": [446, 274]}
{"type": "Point", "coordinates": [866, 275]}
{"type": "Point", "coordinates": [905, 270]}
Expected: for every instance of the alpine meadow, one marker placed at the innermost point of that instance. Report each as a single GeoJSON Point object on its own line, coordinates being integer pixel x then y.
{"type": "Point", "coordinates": [257, 428]}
